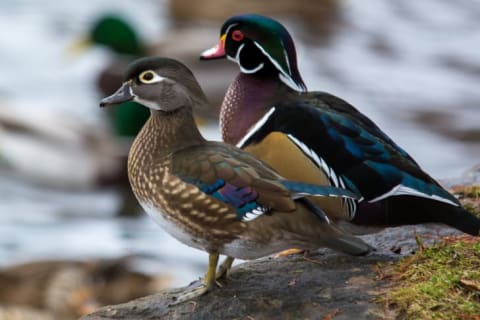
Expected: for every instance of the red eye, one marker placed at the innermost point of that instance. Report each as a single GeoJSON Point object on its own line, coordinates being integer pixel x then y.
{"type": "Point", "coordinates": [237, 35]}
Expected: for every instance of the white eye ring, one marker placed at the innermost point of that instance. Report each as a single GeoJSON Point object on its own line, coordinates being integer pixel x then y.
{"type": "Point", "coordinates": [149, 77]}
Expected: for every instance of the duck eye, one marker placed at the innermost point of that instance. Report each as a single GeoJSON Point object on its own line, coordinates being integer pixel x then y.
{"type": "Point", "coordinates": [237, 35]}
{"type": "Point", "coordinates": [149, 77]}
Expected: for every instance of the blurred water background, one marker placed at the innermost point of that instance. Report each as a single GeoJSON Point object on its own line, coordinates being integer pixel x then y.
{"type": "Point", "coordinates": [412, 66]}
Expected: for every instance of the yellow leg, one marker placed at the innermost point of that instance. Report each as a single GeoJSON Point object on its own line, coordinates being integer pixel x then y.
{"type": "Point", "coordinates": [206, 285]}
{"type": "Point", "coordinates": [224, 268]}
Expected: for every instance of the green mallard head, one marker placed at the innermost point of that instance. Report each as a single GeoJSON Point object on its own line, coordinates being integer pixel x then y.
{"type": "Point", "coordinates": [116, 33]}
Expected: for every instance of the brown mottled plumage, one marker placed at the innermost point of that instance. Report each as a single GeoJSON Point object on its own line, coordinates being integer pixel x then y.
{"type": "Point", "coordinates": [210, 195]}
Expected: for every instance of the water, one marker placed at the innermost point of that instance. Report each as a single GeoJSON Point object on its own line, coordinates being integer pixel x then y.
{"type": "Point", "coordinates": [40, 76]}
{"type": "Point", "coordinates": [395, 60]}
{"type": "Point", "coordinates": [425, 66]}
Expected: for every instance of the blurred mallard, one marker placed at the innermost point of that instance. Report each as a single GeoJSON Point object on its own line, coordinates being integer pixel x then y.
{"type": "Point", "coordinates": [118, 35]}
{"type": "Point", "coordinates": [121, 37]}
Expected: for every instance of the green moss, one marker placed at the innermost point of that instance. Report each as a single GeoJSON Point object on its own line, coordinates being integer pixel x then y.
{"type": "Point", "coordinates": [469, 196]}
{"type": "Point", "coordinates": [440, 282]}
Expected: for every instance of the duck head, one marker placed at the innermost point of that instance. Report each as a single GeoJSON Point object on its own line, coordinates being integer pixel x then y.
{"type": "Point", "coordinates": [160, 84]}
{"type": "Point", "coordinates": [117, 34]}
{"type": "Point", "coordinates": [259, 45]}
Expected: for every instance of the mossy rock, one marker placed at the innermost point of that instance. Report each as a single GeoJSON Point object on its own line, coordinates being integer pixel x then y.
{"type": "Point", "coordinates": [329, 285]}
{"type": "Point", "coordinates": [438, 282]}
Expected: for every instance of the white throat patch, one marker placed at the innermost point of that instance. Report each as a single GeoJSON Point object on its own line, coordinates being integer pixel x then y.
{"type": "Point", "coordinates": [147, 103]}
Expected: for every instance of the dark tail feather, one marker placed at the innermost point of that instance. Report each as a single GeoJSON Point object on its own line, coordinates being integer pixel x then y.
{"type": "Point", "coordinates": [349, 244]}
{"type": "Point", "coordinates": [462, 220]}
{"type": "Point", "coordinates": [314, 209]}
{"type": "Point", "coordinates": [333, 237]}
{"type": "Point", "coordinates": [404, 210]}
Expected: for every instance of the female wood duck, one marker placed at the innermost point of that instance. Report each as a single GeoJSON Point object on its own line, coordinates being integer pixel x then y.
{"type": "Point", "coordinates": [122, 38]}
{"type": "Point", "coordinates": [316, 137]}
{"type": "Point", "coordinates": [210, 195]}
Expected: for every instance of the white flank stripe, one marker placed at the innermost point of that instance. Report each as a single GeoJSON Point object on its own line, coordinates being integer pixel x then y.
{"type": "Point", "coordinates": [332, 176]}
{"type": "Point", "coordinates": [256, 127]}
{"type": "Point", "coordinates": [330, 173]}
{"type": "Point", "coordinates": [318, 161]}
{"type": "Point", "coordinates": [400, 190]}
{"type": "Point", "coordinates": [324, 167]}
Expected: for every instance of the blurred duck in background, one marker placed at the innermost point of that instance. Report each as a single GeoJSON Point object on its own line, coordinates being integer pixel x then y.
{"type": "Point", "coordinates": [44, 146]}
{"type": "Point", "coordinates": [318, 19]}
{"type": "Point", "coordinates": [64, 290]}
{"type": "Point", "coordinates": [122, 38]}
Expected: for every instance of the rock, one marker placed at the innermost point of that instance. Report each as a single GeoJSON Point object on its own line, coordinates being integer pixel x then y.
{"type": "Point", "coordinates": [269, 288]}
{"type": "Point", "coordinates": [326, 285]}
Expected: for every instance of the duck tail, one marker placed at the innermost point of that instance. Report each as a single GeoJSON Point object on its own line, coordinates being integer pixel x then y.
{"type": "Point", "coordinates": [460, 219]}
{"type": "Point", "coordinates": [336, 239]}
{"type": "Point", "coordinates": [349, 244]}
{"type": "Point", "coordinates": [404, 210]}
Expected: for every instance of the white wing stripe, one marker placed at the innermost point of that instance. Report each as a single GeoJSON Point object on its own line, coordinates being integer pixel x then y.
{"type": "Point", "coordinates": [254, 214]}
{"type": "Point", "coordinates": [400, 189]}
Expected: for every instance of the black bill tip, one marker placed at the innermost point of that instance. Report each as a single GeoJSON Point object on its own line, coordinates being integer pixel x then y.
{"type": "Point", "coordinates": [123, 94]}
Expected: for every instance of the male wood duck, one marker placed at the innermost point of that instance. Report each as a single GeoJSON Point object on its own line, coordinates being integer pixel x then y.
{"type": "Point", "coordinates": [316, 137]}
{"type": "Point", "coordinates": [210, 195]}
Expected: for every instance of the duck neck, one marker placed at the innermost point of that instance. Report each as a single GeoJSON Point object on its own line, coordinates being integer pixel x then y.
{"type": "Point", "coordinates": [247, 99]}
{"type": "Point", "coordinates": [165, 133]}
